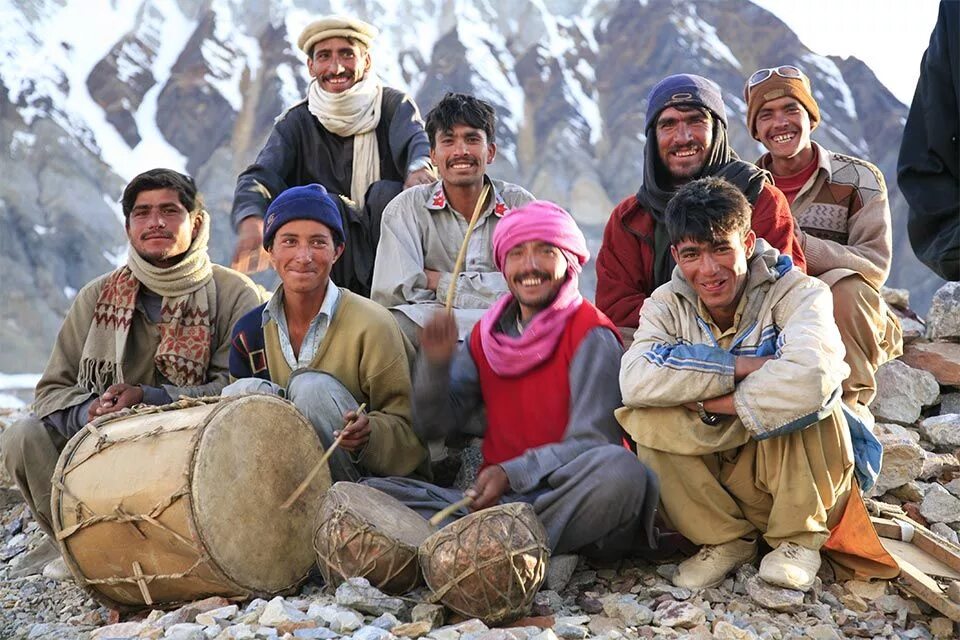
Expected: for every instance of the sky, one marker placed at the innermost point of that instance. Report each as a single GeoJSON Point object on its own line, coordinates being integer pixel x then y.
{"type": "Point", "coordinates": [890, 36]}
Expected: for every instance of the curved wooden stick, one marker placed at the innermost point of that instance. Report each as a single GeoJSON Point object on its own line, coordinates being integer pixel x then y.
{"type": "Point", "coordinates": [458, 265]}
{"type": "Point", "coordinates": [316, 469]}
{"type": "Point", "coordinates": [441, 515]}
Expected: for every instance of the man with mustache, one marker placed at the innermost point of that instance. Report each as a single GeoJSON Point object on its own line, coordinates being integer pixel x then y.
{"type": "Point", "coordinates": [543, 362]}
{"type": "Point", "coordinates": [325, 348]}
{"type": "Point", "coordinates": [686, 129]}
{"type": "Point", "coordinates": [842, 221]}
{"type": "Point", "coordinates": [424, 227]}
{"type": "Point", "coordinates": [361, 140]}
{"type": "Point", "coordinates": [153, 330]}
{"type": "Point", "coordinates": [732, 394]}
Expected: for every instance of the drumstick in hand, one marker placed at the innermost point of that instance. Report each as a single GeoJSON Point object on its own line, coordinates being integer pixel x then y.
{"type": "Point", "coordinates": [326, 456]}
{"type": "Point", "coordinates": [441, 515]}
{"type": "Point", "coordinates": [463, 247]}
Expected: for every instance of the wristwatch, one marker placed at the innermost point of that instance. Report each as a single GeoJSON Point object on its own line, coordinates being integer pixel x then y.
{"type": "Point", "coordinates": [706, 417]}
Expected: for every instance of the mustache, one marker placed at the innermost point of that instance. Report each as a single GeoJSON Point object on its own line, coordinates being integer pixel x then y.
{"type": "Point", "coordinates": [333, 76]}
{"type": "Point", "coordinates": [543, 275]}
{"type": "Point", "coordinates": [150, 235]}
{"type": "Point", "coordinates": [459, 159]}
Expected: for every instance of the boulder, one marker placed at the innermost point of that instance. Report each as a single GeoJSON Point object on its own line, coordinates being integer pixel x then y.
{"type": "Point", "coordinates": [939, 505]}
{"type": "Point", "coordinates": [936, 464]}
{"type": "Point", "coordinates": [942, 430]}
{"type": "Point", "coordinates": [942, 359]}
{"type": "Point", "coordinates": [902, 392]}
{"type": "Point", "coordinates": [679, 615]}
{"type": "Point", "coordinates": [902, 462]}
{"type": "Point", "coordinates": [899, 298]}
{"type": "Point", "coordinates": [360, 595]}
{"type": "Point", "coordinates": [943, 320]}
{"type": "Point", "coordinates": [773, 597]}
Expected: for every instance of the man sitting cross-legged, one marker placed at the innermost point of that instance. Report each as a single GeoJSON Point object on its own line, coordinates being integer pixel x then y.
{"type": "Point", "coordinates": [325, 348]}
{"type": "Point", "coordinates": [153, 330]}
{"type": "Point", "coordinates": [559, 450]}
{"type": "Point", "coordinates": [732, 395]}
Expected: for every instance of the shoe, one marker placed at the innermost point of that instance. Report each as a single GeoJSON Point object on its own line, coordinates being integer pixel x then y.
{"type": "Point", "coordinates": [57, 570]}
{"type": "Point", "coordinates": [713, 562]}
{"type": "Point", "coordinates": [791, 566]}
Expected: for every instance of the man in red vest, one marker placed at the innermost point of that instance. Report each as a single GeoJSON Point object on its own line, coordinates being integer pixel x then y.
{"type": "Point", "coordinates": [544, 363]}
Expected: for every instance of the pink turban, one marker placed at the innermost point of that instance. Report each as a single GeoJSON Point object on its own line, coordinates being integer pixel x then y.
{"type": "Point", "coordinates": [539, 221]}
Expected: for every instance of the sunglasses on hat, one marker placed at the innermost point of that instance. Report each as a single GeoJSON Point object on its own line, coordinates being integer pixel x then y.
{"type": "Point", "coordinates": [784, 71]}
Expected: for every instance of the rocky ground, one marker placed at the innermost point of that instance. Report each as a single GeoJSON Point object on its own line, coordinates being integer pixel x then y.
{"type": "Point", "coordinates": [918, 420]}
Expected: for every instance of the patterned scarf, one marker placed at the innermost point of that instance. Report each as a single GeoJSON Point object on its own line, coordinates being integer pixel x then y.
{"type": "Point", "coordinates": [189, 295]}
{"type": "Point", "coordinates": [355, 112]}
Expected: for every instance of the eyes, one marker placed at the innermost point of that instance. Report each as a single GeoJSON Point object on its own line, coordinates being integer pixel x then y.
{"type": "Point", "coordinates": [293, 242]}
{"type": "Point", "coordinates": [167, 211]}
{"type": "Point", "coordinates": [471, 139]}
{"type": "Point", "coordinates": [547, 251]}
{"type": "Point", "coordinates": [767, 114]}
{"type": "Point", "coordinates": [669, 124]}
{"type": "Point", "coordinates": [326, 54]}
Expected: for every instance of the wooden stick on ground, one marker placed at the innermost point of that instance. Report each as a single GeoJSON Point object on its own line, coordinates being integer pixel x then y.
{"type": "Point", "coordinates": [458, 265]}
{"type": "Point", "coordinates": [316, 469]}
{"type": "Point", "coordinates": [441, 515]}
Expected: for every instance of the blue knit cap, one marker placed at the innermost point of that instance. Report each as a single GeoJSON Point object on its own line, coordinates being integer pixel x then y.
{"type": "Point", "coordinates": [309, 202]}
{"type": "Point", "coordinates": [685, 89]}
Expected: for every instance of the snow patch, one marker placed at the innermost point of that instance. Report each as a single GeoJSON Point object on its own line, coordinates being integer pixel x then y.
{"type": "Point", "coordinates": [229, 54]}
{"type": "Point", "coordinates": [834, 78]}
{"type": "Point", "coordinates": [8, 401]}
{"type": "Point", "coordinates": [17, 381]}
{"type": "Point", "coordinates": [21, 140]}
{"type": "Point", "coordinates": [41, 230]}
{"type": "Point", "coordinates": [703, 35]}
{"type": "Point", "coordinates": [118, 257]}
{"type": "Point", "coordinates": [70, 293]}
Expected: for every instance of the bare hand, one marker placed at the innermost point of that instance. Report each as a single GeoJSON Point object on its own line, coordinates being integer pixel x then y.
{"type": "Point", "coordinates": [356, 434]}
{"type": "Point", "coordinates": [420, 176]}
{"type": "Point", "coordinates": [745, 365]}
{"type": "Point", "coordinates": [116, 397]}
{"type": "Point", "coordinates": [433, 279]}
{"type": "Point", "coordinates": [490, 486]}
{"type": "Point", "coordinates": [438, 339]}
{"type": "Point", "coordinates": [249, 256]}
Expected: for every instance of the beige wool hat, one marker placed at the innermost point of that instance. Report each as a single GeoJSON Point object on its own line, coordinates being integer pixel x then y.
{"type": "Point", "coordinates": [777, 86]}
{"type": "Point", "coordinates": [336, 26]}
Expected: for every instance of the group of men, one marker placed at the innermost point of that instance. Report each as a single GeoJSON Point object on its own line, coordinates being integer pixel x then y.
{"type": "Point", "coordinates": [738, 411]}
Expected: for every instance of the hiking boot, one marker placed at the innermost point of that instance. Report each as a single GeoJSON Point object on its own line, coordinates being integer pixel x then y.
{"type": "Point", "coordinates": [57, 570]}
{"type": "Point", "coordinates": [791, 566]}
{"type": "Point", "coordinates": [713, 562]}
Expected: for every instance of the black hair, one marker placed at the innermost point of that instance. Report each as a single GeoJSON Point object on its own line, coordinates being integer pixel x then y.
{"type": "Point", "coordinates": [707, 209]}
{"type": "Point", "coordinates": [460, 108]}
{"type": "Point", "coordinates": [154, 179]}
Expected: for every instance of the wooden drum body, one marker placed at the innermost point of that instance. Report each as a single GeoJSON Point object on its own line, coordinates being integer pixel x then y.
{"type": "Point", "coordinates": [164, 505]}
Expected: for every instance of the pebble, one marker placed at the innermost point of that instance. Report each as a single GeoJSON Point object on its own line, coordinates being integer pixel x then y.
{"type": "Point", "coordinates": [681, 615]}
{"type": "Point", "coordinates": [773, 597]}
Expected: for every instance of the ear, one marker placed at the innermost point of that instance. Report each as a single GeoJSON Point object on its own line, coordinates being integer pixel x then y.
{"type": "Point", "coordinates": [491, 151]}
{"type": "Point", "coordinates": [310, 68]}
{"type": "Point", "coordinates": [367, 62]}
{"type": "Point", "coordinates": [750, 243]}
{"type": "Point", "coordinates": [337, 252]}
{"type": "Point", "coordinates": [433, 156]}
{"type": "Point", "coordinates": [674, 254]}
{"type": "Point", "coordinates": [197, 223]}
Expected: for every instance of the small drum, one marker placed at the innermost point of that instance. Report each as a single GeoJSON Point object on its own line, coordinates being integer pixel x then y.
{"type": "Point", "coordinates": [488, 565]}
{"type": "Point", "coordinates": [363, 532]}
{"type": "Point", "coordinates": [164, 505]}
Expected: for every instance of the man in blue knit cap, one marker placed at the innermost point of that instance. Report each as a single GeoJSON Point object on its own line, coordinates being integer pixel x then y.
{"type": "Point", "coordinates": [686, 129]}
{"type": "Point", "coordinates": [325, 348]}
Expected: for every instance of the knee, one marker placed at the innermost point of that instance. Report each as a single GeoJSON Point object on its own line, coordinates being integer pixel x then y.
{"type": "Point", "coordinates": [19, 438]}
{"type": "Point", "coordinates": [626, 478]}
{"type": "Point", "coordinates": [313, 385]}
{"type": "Point", "coordinates": [851, 295]}
{"type": "Point", "coordinates": [249, 385]}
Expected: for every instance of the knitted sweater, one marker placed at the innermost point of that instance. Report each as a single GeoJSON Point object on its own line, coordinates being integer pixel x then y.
{"type": "Point", "coordinates": [363, 349]}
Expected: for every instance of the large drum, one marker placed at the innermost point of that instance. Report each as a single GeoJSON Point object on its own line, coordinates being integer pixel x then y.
{"type": "Point", "coordinates": [489, 564]}
{"type": "Point", "coordinates": [363, 532]}
{"type": "Point", "coordinates": [164, 505]}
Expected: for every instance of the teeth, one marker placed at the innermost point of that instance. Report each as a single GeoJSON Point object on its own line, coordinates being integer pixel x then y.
{"type": "Point", "coordinates": [530, 282]}
{"type": "Point", "coordinates": [783, 138]}
{"type": "Point", "coordinates": [685, 154]}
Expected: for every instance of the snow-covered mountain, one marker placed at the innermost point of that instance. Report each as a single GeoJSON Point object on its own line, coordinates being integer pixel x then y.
{"type": "Point", "coordinates": [94, 91]}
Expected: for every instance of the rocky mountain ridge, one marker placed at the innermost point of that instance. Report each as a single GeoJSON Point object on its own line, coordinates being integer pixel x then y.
{"type": "Point", "coordinates": [196, 84]}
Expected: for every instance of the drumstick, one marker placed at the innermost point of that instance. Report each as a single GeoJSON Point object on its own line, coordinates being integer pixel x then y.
{"type": "Point", "coordinates": [441, 515]}
{"type": "Point", "coordinates": [326, 456]}
{"type": "Point", "coordinates": [463, 247]}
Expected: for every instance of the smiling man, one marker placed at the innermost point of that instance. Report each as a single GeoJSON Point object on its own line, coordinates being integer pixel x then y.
{"type": "Point", "coordinates": [559, 451]}
{"type": "Point", "coordinates": [731, 390]}
{"type": "Point", "coordinates": [424, 227]}
{"type": "Point", "coordinates": [153, 330]}
{"type": "Point", "coordinates": [686, 129]}
{"type": "Point", "coordinates": [362, 141]}
{"type": "Point", "coordinates": [843, 221]}
{"type": "Point", "coordinates": [325, 348]}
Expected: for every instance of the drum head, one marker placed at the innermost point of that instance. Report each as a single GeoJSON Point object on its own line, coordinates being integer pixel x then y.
{"type": "Point", "coordinates": [383, 512]}
{"type": "Point", "coordinates": [253, 453]}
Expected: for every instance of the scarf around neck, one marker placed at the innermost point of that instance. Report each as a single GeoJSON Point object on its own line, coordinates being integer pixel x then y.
{"type": "Point", "coordinates": [656, 190]}
{"type": "Point", "coordinates": [189, 301]}
{"type": "Point", "coordinates": [354, 112]}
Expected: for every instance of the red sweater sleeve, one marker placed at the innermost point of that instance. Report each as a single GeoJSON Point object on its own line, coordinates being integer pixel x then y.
{"type": "Point", "coordinates": [773, 222]}
{"type": "Point", "coordinates": [624, 270]}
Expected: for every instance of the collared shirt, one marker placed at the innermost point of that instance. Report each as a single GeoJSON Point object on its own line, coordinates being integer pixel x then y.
{"type": "Point", "coordinates": [315, 332]}
{"type": "Point", "coordinates": [420, 230]}
{"type": "Point", "coordinates": [724, 338]}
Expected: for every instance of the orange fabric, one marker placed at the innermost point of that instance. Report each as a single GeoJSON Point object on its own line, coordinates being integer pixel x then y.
{"type": "Point", "coordinates": [854, 546]}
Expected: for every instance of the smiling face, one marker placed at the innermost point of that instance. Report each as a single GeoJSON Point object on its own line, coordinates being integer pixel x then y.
{"type": "Point", "coordinates": [302, 254]}
{"type": "Point", "coordinates": [684, 137]}
{"type": "Point", "coordinates": [338, 64]}
{"type": "Point", "coordinates": [716, 270]}
{"type": "Point", "coordinates": [534, 272]}
{"type": "Point", "coordinates": [160, 228]}
{"type": "Point", "coordinates": [783, 127]}
{"type": "Point", "coordinates": [461, 155]}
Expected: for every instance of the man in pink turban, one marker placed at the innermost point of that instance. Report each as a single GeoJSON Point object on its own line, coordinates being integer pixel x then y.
{"type": "Point", "coordinates": [544, 363]}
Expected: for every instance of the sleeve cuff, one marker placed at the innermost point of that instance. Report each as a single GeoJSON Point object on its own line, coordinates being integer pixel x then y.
{"type": "Point", "coordinates": [155, 395]}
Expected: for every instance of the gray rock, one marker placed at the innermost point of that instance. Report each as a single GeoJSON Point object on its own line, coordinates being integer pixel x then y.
{"type": "Point", "coordinates": [677, 593]}
{"type": "Point", "coordinates": [238, 632]}
{"type": "Point", "coordinates": [279, 611]}
{"type": "Point", "coordinates": [431, 613]}
{"type": "Point", "coordinates": [681, 615]}
{"type": "Point", "coordinates": [950, 402]}
{"type": "Point", "coordinates": [902, 462]}
{"type": "Point", "coordinates": [773, 597]}
{"type": "Point", "coordinates": [371, 633]}
{"type": "Point", "coordinates": [953, 487]}
{"type": "Point", "coordinates": [942, 430]}
{"type": "Point", "coordinates": [892, 603]}
{"type": "Point", "coordinates": [186, 631]}
{"type": "Point", "coordinates": [444, 633]}
{"type": "Point", "coordinates": [823, 632]}
{"type": "Point", "coordinates": [346, 622]}
{"type": "Point", "coordinates": [935, 464]}
{"type": "Point", "coordinates": [943, 319]}
{"type": "Point", "coordinates": [216, 616]}
{"type": "Point", "coordinates": [546, 634]}
{"type": "Point", "coordinates": [896, 297]}
{"type": "Point", "coordinates": [939, 505]}
{"type": "Point", "coordinates": [945, 532]}
{"type": "Point", "coordinates": [387, 621]}
{"type": "Point", "coordinates": [627, 608]}
{"type": "Point", "coordinates": [570, 631]}
{"type": "Point", "coordinates": [897, 430]}
{"type": "Point", "coordinates": [266, 633]}
{"type": "Point", "coordinates": [912, 329]}
{"type": "Point", "coordinates": [56, 631]}
{"type": "Point", "coordinates": [901, 393]}
{"type": "Point", "coordinates": [317, 633]}
{"type": "Point", "coordinates": [910, 492]}
{"type": "Point", "coordinates": [724, 630]}
{"type": "Point", "coordinates": [116, 631]}
{"type": "Point", "coordinates": [358, 594]}
{"type": "Point", "coordinates": [559, 571]}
